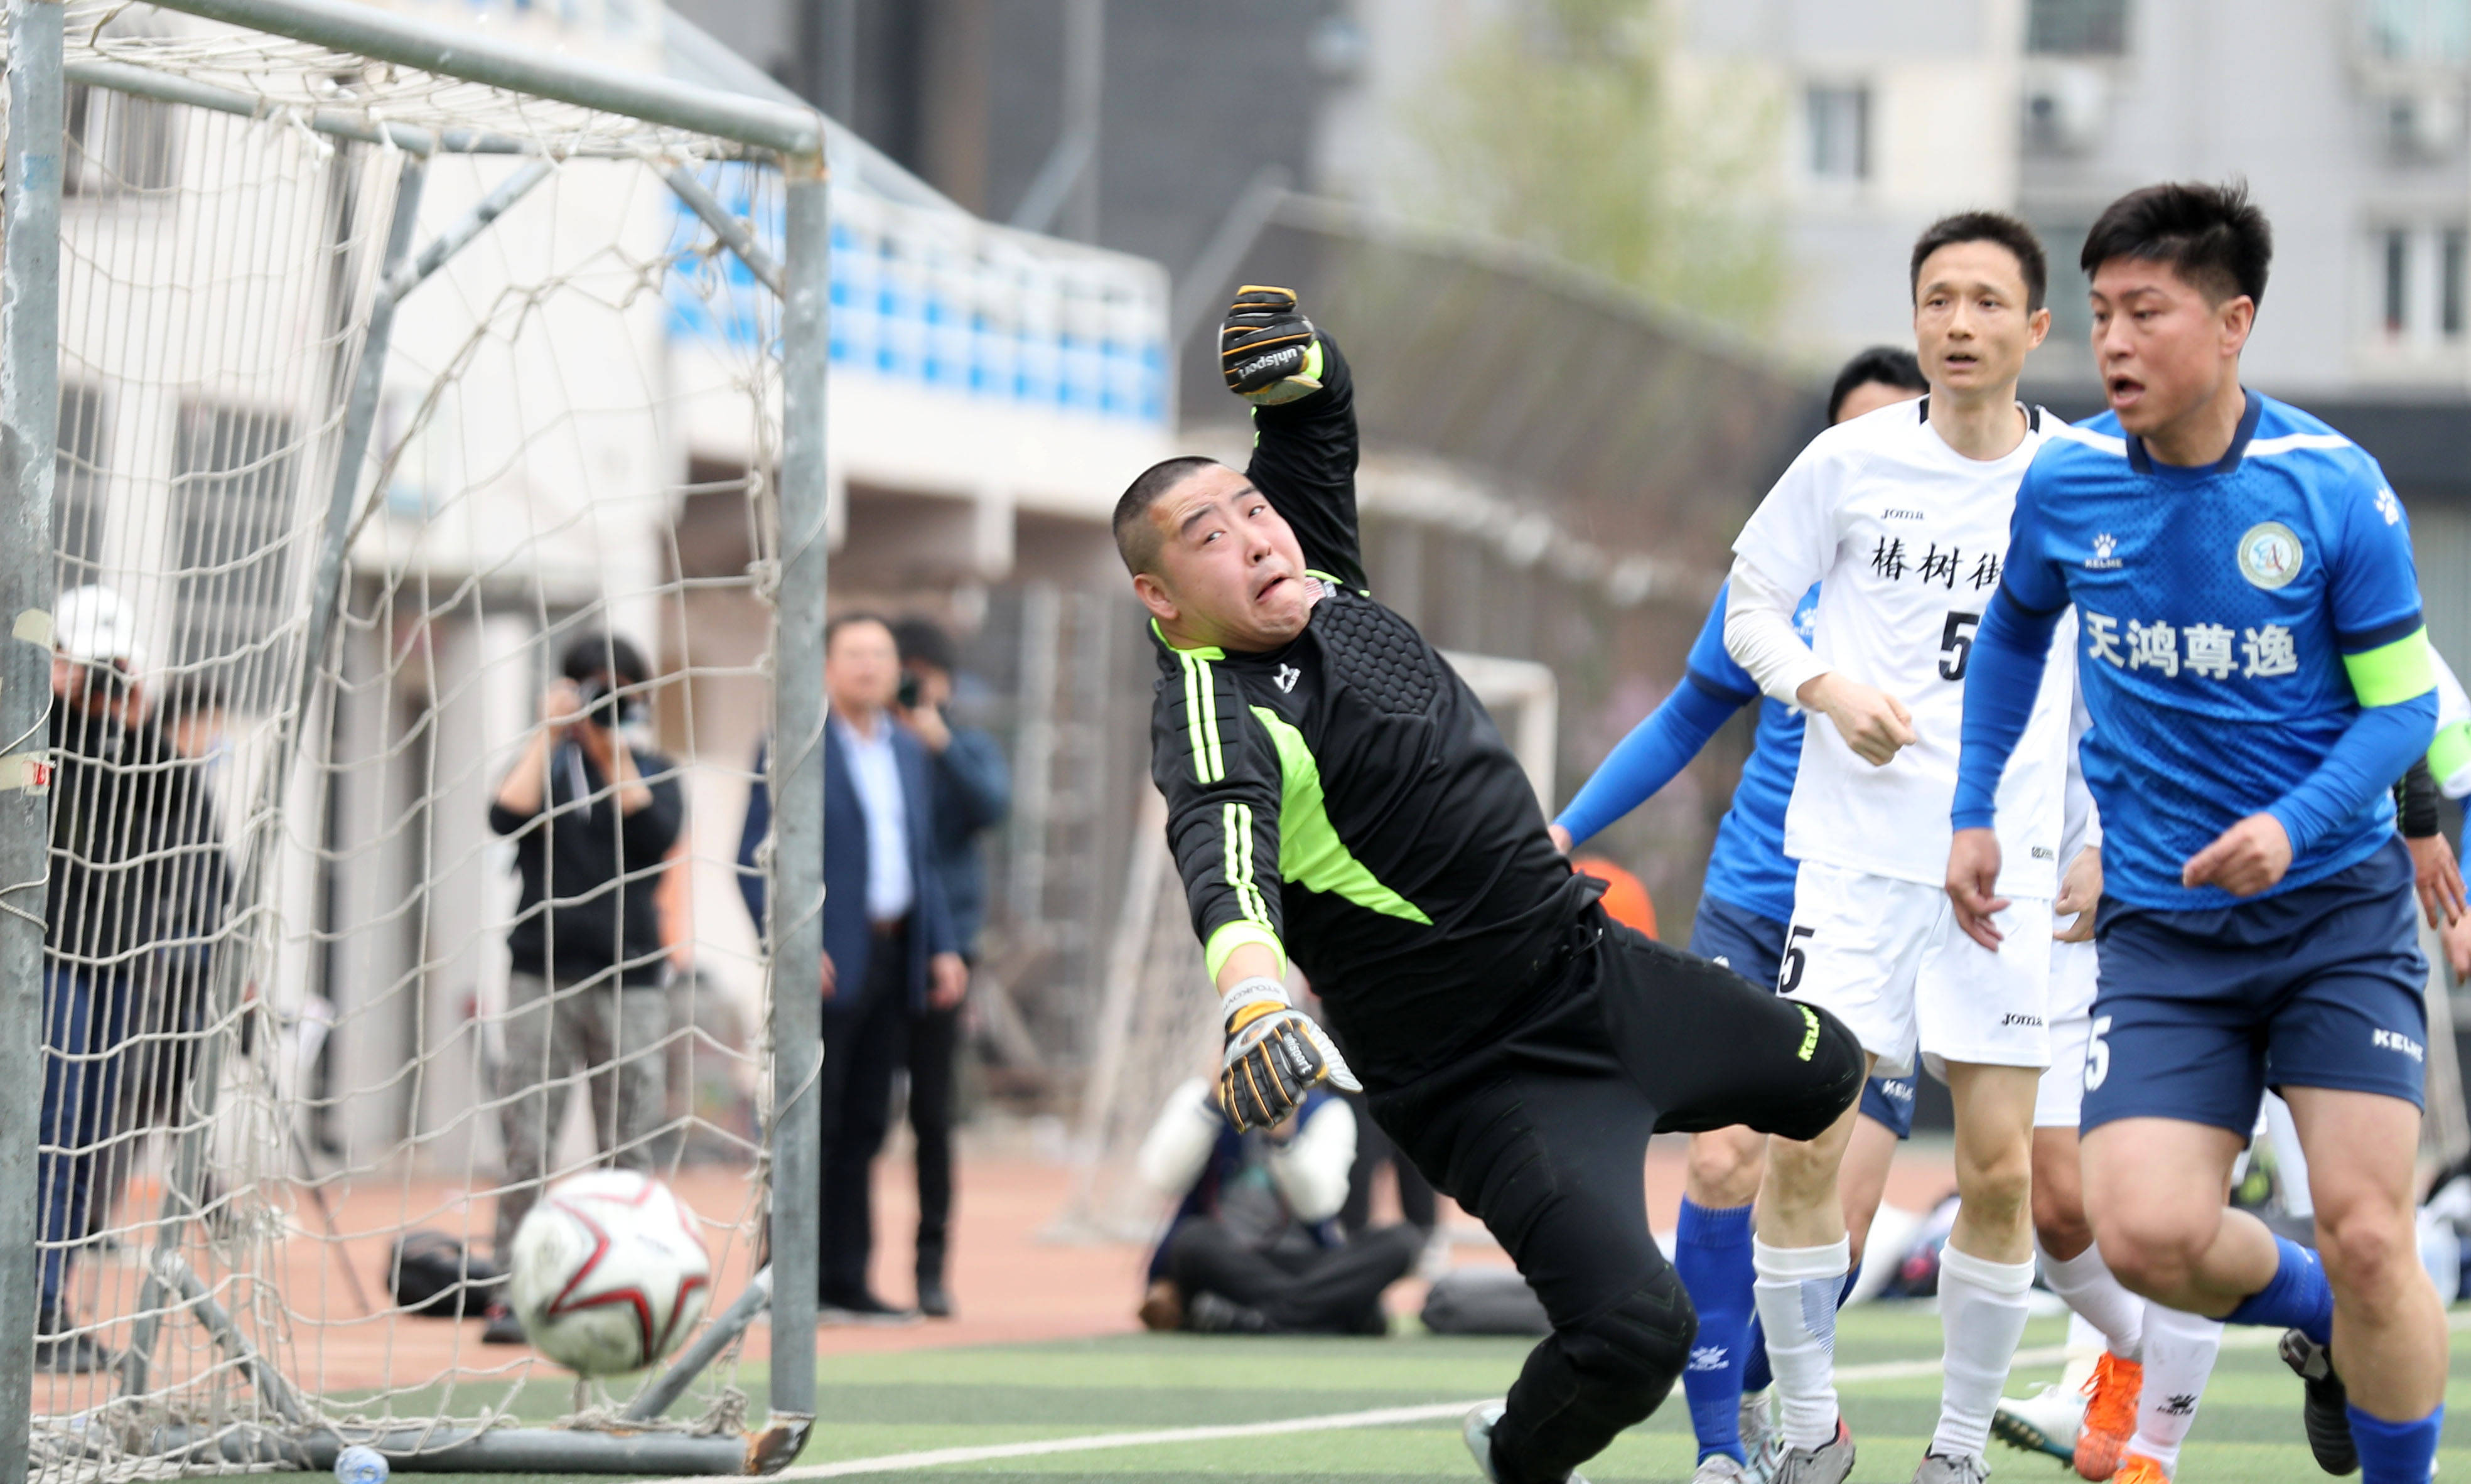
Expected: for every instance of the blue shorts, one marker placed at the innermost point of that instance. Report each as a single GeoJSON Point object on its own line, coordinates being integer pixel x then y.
{"type": "Point", "coordinates": [1753, 946]}
{"type": "Point", "coordinates": [2198, 1012]}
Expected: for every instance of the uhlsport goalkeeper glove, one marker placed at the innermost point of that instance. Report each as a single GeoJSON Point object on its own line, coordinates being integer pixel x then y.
{"type": "Point", "coordinates": [1275, 1054]}
{"type": "Point", "coordinates": [1268, 348]}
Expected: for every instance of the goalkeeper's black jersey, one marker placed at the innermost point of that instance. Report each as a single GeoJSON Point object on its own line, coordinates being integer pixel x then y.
{"type": "Point", "coordinates": [1346, 798]}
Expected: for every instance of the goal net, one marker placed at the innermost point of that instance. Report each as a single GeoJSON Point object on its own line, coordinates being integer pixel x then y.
{"type": "Point", "coordinates": [387, 399]}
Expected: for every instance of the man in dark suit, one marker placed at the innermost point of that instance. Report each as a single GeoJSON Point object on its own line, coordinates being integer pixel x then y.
{"type": "Point", "coordinates": [888, 941]}
{"type": "Point", "coordinates": [972, 791]}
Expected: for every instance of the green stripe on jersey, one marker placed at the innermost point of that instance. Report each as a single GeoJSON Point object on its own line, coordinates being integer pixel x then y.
{"type": "Point", "coordinates": [2393, 672]}
{"type": "Point", "coordinates": [1201, 717]}
{"type": "Point", "coordinates": [1311, 852]}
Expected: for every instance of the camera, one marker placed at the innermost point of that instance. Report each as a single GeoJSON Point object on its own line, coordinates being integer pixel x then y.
{"type": "Point", "coordinates": [607, 710]}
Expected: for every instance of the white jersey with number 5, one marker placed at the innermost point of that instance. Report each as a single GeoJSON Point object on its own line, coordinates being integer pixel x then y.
{"type": "Point", "coordinates": [1905, 537]}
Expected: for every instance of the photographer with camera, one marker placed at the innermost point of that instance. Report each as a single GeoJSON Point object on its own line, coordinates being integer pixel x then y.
{"type": "Point", "coordinates": [973, 785]}
{"type": "Point", "coordinates": [594, 817]}
{"type": "Point", "coordinates": [135, 902]}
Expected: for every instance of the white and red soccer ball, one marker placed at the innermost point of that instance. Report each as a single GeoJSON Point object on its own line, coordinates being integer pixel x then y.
{"type": "Point", "coordinates": [609, 1273]}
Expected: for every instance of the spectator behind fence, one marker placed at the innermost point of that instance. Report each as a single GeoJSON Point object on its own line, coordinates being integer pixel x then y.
{"type": "Point", "coordinates": [137, 895]}
{"type": "Point", "coordinates": [888, 943]}
{"type": "Point", "coordinates": [593, 817]}
{"type": "Point", "coordinates": [972, 791]}
{"type": "Point", "coordinates": [1255, 1247]}
{"type": "Point", "coordinates": [192, 886]}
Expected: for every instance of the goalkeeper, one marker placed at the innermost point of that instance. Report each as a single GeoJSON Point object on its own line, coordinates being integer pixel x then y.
{"type": "Point", "coordinates": [1336, 794]}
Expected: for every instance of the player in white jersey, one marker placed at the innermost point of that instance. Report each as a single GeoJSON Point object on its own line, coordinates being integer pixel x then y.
{"type": "Point", "coordinates": [1901, 517]}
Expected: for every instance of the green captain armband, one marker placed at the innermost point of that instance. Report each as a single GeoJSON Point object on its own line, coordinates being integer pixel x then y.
{"type": "Point", "coordinates": [2395, 673]}
{"type": "Point", "coordinates": [2449, 758]}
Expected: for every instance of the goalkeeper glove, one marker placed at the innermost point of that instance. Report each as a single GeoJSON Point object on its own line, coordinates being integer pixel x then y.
{"type": "Point", "coordinates": [1268, 348]}
{"type": "Point", "coordinates": [1275, 1054]}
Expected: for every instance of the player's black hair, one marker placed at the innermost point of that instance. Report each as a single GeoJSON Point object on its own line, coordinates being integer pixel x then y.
{"type": "Point", "coordinates": [1995, 227]}
{"type": "Point", "coordinates": [1137, 540]}
{"type": "Point", "coordinates": [833, 626]}
{"type": "Point", "coordinates": [603, 653]}
{"type": "Point", "coordinates": [1885, 364]}
{"type": "Point", "coordinates": [923, 642]}
{"type": "Point", "coordinates": [2213, 236]}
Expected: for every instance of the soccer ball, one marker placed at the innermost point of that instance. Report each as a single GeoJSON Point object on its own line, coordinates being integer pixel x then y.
{"type": "Point", "coordinates": [609, 1273]}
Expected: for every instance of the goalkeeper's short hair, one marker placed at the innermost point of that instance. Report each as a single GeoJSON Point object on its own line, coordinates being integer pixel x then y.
{"type": "Point", "coordinates": [1137, 540]}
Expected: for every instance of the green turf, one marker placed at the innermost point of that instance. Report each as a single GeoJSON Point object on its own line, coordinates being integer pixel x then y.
{"type": "Point", "coordinates": [876, 1405]}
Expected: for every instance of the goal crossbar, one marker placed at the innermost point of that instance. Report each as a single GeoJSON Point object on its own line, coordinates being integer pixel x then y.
{"type": "Point", "coordinates": [451, 50]}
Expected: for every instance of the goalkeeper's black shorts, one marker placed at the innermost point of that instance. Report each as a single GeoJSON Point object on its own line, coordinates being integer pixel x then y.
{"type": "Point", "coordinates": [1547, 1123]}
{"type": "Point", "coordinates": [1542, 1134]}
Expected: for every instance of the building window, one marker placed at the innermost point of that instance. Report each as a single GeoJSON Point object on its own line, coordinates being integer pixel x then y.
{"type": "Point", "coordinates": [232, 497]}
{"type": "Point", "coordinates": [2396, 281]}
{"type": "Point", "coordinates": [117, 142]}
{"type": "Point", "coordinates": [2420, 31]}
{"type": "Point", "coordinates": [1840, 132]}
{"type": "Point", "coordinates": [77, 487]}
{"type": "Point", "coordinates": [2451, 255]}
{"type": "Point", "coordinates": [2077, 27]}
{"type": "Point", "coordinates": [2070, 291]}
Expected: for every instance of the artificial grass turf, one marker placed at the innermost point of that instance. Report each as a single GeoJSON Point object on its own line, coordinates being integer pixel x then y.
{"type": "Point", "coordinates": [871, 1407]}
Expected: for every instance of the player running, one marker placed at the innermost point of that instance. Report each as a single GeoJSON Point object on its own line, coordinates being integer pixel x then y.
{"type": "Point", "coordinates": [2144, 1366]}
{"type": "Point", "coordinates": [1336, 794]}
{"type": "Point", "coordinates": [1741, 924]}
{"type": "Point", "coordinates": [1901, 518]}
{"type": "Point", "coordinates": [2258, 675]}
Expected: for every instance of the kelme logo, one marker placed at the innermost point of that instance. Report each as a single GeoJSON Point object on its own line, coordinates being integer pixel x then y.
{"type": "Point", "coordinates": [2269, 554]}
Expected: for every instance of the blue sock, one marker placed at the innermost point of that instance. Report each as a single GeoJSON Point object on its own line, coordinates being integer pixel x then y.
{"type": "Point", "coordinates": [1755, 1375]}
{"type": "Point", "coordinates": [1711, 1255]}
{"type": "Point", "coordinates": [2396, 1452]}
{"type": "Point", "coordinates": [2298, 1299]}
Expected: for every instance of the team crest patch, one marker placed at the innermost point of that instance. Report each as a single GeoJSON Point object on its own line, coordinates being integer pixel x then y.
{"type": "Point", "coordinates": [2269, 554]}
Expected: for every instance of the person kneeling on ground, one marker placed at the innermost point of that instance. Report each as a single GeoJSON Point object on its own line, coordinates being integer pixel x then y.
{"type": "Point", "coordinates": [1254, 1247]}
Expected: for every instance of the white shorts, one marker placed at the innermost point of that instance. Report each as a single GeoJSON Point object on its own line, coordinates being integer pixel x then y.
{"type": "Point", "coordinates": [1887, 957]}
{"type": "Point", "coordinates": [2060, 1098]}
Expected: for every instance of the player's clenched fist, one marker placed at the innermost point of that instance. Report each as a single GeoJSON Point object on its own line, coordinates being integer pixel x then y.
{"type": "Point", "coordinates": [1267, 350]}
{"type": "Point", "coordinates": [1275, 1054]}
{"type": "Point", "coordinates": [1873, 723]}
{"type": "Point", "coordinates": [2244, 860]}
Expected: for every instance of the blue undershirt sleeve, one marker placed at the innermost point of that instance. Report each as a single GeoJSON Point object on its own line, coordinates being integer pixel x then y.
{"type": "Point", "coordinates": [2381, 745]}
{"type": "Point", "coordinates": [2009, 650]}
{"type": "Point", "coordinates": [1647, 759]}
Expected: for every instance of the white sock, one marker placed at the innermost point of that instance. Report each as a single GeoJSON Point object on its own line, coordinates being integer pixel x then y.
{"type": "Point", "coordinates": [2178, 1357]}
{"type": "Point", "coordinates": [2084, 1281]}
{"type": "Point", "coordinates": [1796, 1293]}
{"type": "Point", "coordinates": [1981, 1318]}
{"type": "Point", "coordinates": [2085, 1348]}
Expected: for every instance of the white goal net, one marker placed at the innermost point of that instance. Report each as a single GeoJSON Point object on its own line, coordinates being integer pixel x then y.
{"type": "Point", "coordinates": [343, 944]}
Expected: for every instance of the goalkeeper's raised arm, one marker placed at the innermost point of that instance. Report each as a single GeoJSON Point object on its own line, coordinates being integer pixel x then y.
{"type": "Point", "coordinates": [1337, 798]}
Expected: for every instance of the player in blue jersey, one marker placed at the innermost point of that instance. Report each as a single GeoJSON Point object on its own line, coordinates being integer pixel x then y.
{"type": "Point", "coordinates": [2258, 675]}
{"type": "Point", "coordinates": [1741, 924]}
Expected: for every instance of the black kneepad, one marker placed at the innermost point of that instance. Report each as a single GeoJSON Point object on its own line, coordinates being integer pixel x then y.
{"type": "Point", "coordinates": [1838, 1069]}
{"type": "Point", "coordinates": [1643, 1342]}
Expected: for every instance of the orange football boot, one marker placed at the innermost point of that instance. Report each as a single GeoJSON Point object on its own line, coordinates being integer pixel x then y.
{"type": "Point", "coordinates": [2111, 1414]}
